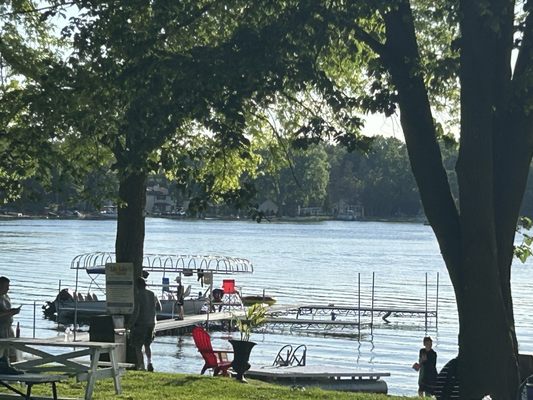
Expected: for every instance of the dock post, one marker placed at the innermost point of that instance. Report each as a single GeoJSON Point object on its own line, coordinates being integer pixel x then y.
{"type": "Point", "coordinates": [372, 304]}
{"type": "Point", "coordinates": [437, 305]}
{"type": "Point", "coordinates": [58, 306]}
{"type": "Point", "coordinates": [76, 304]}
{"type": "Point", "coordinates": [34, 316]}
{"type": "Point", "coordinates": [426, 313]}
{"type": "Point", "coordinates": [359, 302]}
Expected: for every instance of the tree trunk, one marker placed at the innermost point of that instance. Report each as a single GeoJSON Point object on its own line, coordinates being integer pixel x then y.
{"type": "Point", "coordinates": [475, 248]}
{"type": "Point", "coordinates": [130, 225]}
{"type": "Point", "coordinates": [487, 343]}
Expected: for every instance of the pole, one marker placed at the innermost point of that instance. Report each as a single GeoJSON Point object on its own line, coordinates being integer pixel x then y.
{"type": "Point", "coordinates": [437, 304]}
{"type": "Point", "coordinates": [372, 304]}
{"type": "Point", "coordinates": [359, 303]}
{"type": "Point", "coordinates": [58, 305]}
{"type": "Point", "coordinates": [426, 313]}
{"type": "Point", "coordinates": [210, 299]}
{"type": "Point", "coordinates": [34, 316]}
{"type": "Point", "coordinates": [76, 303]}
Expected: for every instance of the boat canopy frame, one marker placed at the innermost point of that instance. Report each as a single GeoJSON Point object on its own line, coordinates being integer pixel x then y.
{"type": "Point", "coordinates": [94, 263]}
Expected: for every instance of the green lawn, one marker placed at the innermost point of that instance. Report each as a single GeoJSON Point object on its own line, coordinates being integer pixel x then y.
{"type": "Point", "coordinates": [153, 386]}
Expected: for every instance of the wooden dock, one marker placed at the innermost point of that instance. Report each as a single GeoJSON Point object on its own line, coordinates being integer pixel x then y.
{"type": "Point", "coordinates": [192, 320]}
{"type": "Point", "coordinates": [328, 378]}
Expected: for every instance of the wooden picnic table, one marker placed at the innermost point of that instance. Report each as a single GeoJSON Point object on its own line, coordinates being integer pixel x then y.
{"type": "Point", "coordinates": [65, 359]}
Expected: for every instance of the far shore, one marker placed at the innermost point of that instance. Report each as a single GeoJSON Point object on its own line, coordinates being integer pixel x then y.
{"type": "Point", "coordinates": [301, 219]}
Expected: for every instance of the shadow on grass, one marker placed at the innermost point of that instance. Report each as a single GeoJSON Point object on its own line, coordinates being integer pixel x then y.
{"type": "Point", "coordinates": [184, 380]}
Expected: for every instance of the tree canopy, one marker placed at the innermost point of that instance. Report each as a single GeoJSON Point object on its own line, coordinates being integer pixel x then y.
{"type": "Point", "coordinates": [145, 79]}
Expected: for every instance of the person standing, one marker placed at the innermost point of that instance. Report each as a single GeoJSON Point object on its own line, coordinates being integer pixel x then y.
{"type": "Point", "coordinates": [6, 317]}
{"type": "Point", "coordinates": [143, 324]}
{"type": "Point", "coordinates": [427, 368]}
{"type": "Point", "coordinates": [180, 294]}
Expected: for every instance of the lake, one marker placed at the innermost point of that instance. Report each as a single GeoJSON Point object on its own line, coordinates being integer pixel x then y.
{"type": "Point", "coordinates": [296, 263]}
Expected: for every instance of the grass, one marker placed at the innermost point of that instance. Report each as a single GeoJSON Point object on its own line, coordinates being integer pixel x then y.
{"type": "Point", "coordinates": [153, 386]}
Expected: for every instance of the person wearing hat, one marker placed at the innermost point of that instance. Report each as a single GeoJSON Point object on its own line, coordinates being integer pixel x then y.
{"type": "Point", "coordinates": [427, 368]}
{"type": "Point", "coordinates": [143, 324]}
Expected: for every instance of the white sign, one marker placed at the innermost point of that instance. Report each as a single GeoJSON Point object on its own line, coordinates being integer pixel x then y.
{"type": "Point", "coordinates": [119, 288]}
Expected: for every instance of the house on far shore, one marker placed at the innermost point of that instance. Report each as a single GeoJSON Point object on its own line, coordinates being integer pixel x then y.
{"type": "Point", "coordinates": [310, 211]}
{"type": "Point", "coordinates": [348, 212]}
{"type": "Point", "coordinates": [158, 201]}
{"type": "Point", "coordinates": [268, 207]}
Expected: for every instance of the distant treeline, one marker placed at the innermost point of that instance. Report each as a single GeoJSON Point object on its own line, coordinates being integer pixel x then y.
{"type": "Point", "coordinates": [324, 178]}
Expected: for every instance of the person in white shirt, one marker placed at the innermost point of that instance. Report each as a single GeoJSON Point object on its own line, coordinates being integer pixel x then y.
{"type": "Point", "coordinates": [6, 316]}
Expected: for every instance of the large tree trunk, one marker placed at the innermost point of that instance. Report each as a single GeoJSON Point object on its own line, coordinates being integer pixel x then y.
{"type": "Point", "coordinates": [487, 352]}
{"type": "Point", "coordinates": [476, 243]}
{"type": "Point", "coordinates": [130, 225]}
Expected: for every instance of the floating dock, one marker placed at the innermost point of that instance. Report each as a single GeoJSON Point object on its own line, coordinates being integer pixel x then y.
{"type": "Point", "coordinates": [328, 378]}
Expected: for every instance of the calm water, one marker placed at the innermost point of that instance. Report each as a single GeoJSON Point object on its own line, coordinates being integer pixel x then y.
{"type": "Point", "coordinates": [296, 263]}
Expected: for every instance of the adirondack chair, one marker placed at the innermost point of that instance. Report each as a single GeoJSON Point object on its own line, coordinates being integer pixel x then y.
{"type": "Point", "coordinates": [216, 359]}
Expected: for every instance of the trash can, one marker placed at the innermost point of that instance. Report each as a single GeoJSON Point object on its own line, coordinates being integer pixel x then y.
{"type": "Point", "coordinates": [109, 328]}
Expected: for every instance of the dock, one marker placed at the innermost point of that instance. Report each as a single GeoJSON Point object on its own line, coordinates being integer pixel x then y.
{"type": "Point", "coordinates": [314, 326]}
{"type": "Point", "coordinates": [315, 310]}
{"type": "Point", "coordinates": [365, 306]}
{"type": "Point", "coordinates": [331, 318]}
{"type": "Point", "coordinates": [328, 378]}
{"type": "Point", "coordinates": [189, 321]}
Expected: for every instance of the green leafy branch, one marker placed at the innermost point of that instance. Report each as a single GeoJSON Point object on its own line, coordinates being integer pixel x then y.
{"type": "Point", "coordinates": [524, 250]}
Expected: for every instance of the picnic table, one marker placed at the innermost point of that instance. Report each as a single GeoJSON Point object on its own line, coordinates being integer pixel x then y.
{"type": "Point", "coordinates": [65, 358]}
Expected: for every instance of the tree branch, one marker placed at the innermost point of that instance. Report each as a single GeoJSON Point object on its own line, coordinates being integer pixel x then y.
{"type": "Point", "coordinates": [523, 72]}
{"type": "Point", "coordinates": [35, 10]}
{"type": "Point", "coordinates": [369, 40]}
{"type": "Point", "coordinates": [513, 151]}
{"type": "Point", "coordinates": [402, 61]}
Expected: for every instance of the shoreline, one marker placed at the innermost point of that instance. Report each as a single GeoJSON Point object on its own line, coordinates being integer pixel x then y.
{"type": "Point", "coordinates": [314, 219]}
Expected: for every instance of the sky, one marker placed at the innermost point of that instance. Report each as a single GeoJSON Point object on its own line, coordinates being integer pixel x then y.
{"type": "Point", "coordinates": [378, 124]}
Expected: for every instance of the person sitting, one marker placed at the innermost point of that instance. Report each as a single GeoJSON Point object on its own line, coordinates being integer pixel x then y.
{"type": "Point", "coordinates": [64, 295]}
{"type": "Point", "coordinates": [447, 385]}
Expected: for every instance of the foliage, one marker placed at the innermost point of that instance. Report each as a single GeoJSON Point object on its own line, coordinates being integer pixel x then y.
{"type": "Point", "coordinates": [324, 176]}
{"type": "Point", "coordinates": [524, 250]}
{"type": "Point", "coordinates": [254, 316]}
{"type": "Point", "coordinates": [143, 73]}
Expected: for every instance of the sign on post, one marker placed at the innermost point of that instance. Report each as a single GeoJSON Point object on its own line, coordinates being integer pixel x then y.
{"type": "Point", "coordinates": [119, 288]}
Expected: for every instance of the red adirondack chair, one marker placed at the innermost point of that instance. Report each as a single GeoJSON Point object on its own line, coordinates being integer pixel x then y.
{"type": "Point", "coordinates": [216, 359]}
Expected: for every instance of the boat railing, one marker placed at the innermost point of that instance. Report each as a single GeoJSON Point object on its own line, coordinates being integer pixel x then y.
{"type": "Point", "coordinates": [183, 263]}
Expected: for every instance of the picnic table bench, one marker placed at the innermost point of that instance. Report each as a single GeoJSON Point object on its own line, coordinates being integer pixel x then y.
{"type": "Point", "coordinates": [30, 379]}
